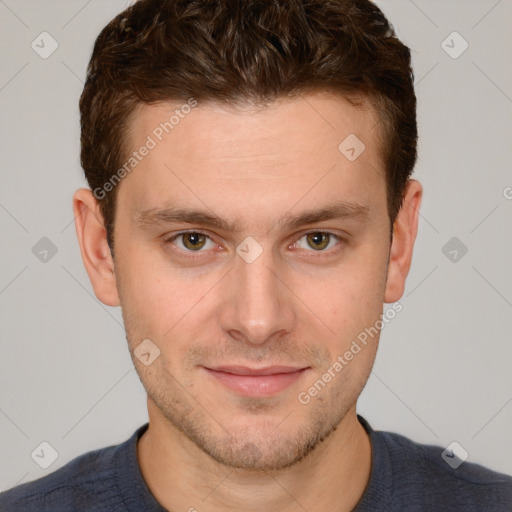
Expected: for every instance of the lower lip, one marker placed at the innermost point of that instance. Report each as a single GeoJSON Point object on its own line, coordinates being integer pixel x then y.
{"type": "Point", "coordinates": [257, 385]}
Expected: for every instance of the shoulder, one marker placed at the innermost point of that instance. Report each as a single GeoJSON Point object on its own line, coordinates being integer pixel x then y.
{"type": "Point", "coordinates": [87, 482]}
{"type": "Point", "coordinates": [422, 473]}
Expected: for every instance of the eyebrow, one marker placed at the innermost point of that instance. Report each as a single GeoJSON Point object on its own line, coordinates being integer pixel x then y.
{"type": "Point", "coordinates": [174, 215]}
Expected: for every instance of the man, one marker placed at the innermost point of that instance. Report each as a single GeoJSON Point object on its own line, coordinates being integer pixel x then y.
{"type": "Point", "coordinates": [251, 210]}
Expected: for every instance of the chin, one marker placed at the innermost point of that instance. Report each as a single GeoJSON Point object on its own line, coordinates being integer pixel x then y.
{"type": "Point", "coordinates": [263, 447]}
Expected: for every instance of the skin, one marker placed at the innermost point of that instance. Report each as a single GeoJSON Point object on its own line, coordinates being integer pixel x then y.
{"type": "Point", "coordinates": [207, 446]}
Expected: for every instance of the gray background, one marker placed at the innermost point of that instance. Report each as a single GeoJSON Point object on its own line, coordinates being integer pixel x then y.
{"type": "Point", "coordinates": [443, 371]}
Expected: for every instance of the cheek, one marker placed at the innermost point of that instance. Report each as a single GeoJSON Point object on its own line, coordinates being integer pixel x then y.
{"type": "Point", "coordinates": [160, 301]}
{"type": "Point", "coordinates": [350, 296]}
{"type": "Point", "coordinates": [352, 307]}
{"type": "Point", "coordinates": [148, 298]}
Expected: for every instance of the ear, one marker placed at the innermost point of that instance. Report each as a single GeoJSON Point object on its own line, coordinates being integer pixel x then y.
{"type": "Point", "coordinates": [405, 229]}
{"type": "Point", "coordinates": [96, 255]}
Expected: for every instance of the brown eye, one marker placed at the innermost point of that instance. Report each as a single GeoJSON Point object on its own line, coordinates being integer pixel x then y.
{"type": "Point", "coordinates": [318, 241]}
{"type": "Point", "coordinates": [188, 242]}
{"type": "Point", "coordinates": [194, 241]}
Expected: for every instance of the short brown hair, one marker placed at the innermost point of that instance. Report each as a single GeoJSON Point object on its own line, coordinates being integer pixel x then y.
{"type": "Point", "coordinates": [245, 52]}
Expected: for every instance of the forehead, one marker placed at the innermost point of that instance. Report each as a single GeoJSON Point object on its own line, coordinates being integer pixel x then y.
{"type": "Point", "coordinates": [292, 150]}
{"type": "Point", "coordinates": [309, 120]}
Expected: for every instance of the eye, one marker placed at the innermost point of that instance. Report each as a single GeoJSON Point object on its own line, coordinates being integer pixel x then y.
{"type": "Point", "coordinates": [191, 241]}
{"type": "Point", "coordinates": [318, 241]}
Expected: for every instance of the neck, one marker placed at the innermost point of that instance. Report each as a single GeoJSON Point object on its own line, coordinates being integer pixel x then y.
{"type": "Point", "coordinates": [183, 477]}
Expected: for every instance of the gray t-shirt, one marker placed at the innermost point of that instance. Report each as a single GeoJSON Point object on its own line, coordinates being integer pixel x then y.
{"type": "Point", "coordinates": [405, 477]}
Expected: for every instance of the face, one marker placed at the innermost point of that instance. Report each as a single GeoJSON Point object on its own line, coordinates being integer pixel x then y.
{"type": "Point", "coordinates": [252, 252]}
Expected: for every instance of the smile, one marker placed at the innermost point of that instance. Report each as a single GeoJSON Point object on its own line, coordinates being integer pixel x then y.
{"type": "Point", "coordinates": [256, 382]}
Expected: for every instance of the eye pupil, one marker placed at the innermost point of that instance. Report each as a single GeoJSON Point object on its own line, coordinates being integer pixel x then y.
{"type": "Point", "coordinates": [194, 240]}
{"type": "Point", "coordinates": [319, 240]}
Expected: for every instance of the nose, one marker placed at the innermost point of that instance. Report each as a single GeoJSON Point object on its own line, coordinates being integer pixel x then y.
{"type": "Point", "coordinates": [257, 306]}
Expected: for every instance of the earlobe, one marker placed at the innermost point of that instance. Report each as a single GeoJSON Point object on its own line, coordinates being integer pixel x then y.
{"type": "Point", "coordinates": [405, 230]}
{"type": "Point", "coordinates": [95, 251]}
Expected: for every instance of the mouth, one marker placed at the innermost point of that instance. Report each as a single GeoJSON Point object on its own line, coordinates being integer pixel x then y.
{"type": "Point", "coordinates": [256, 382]}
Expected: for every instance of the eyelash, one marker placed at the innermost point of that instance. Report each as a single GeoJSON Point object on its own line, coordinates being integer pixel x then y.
{"type": "Point", "coordinates": [316, 254]}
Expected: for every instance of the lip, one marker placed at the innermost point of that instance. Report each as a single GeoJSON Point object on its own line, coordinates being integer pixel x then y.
{"type": "Point", "coordinates": [256, 382]}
